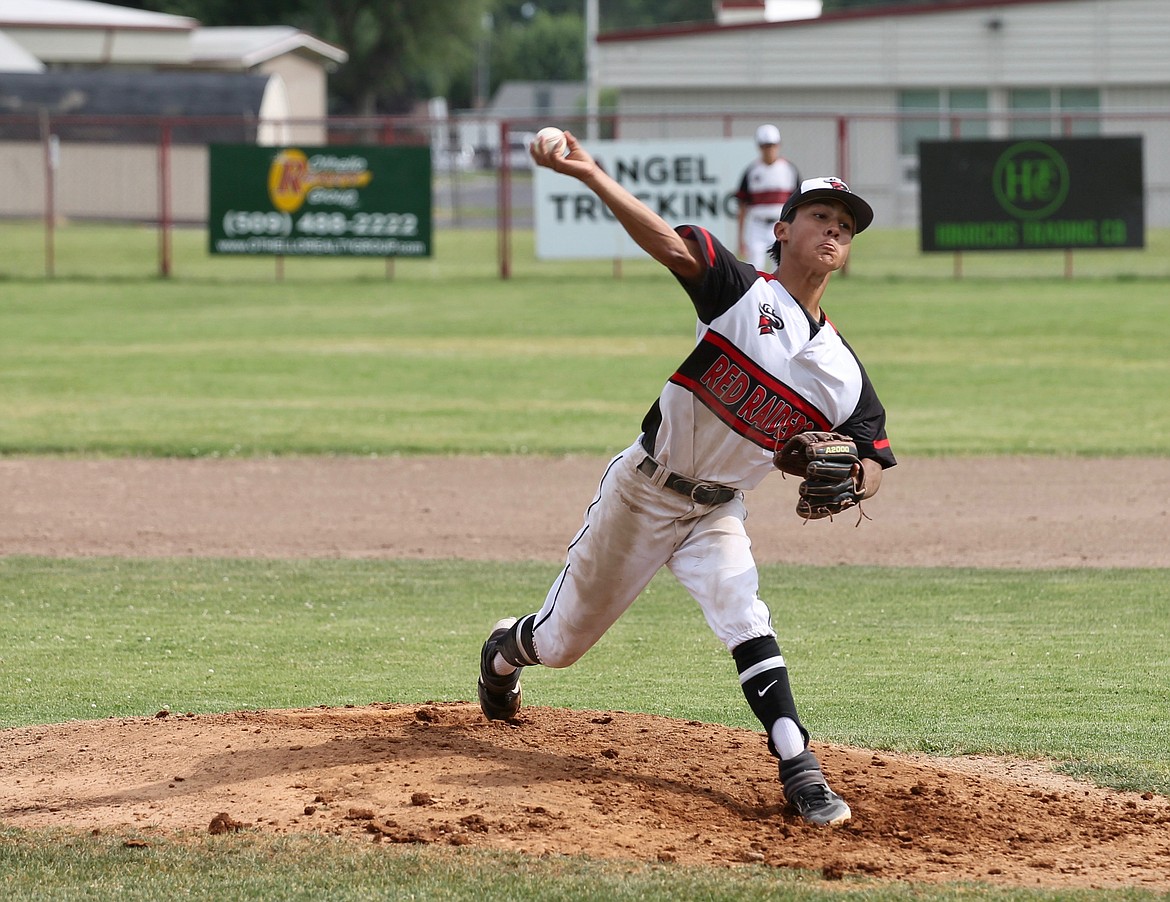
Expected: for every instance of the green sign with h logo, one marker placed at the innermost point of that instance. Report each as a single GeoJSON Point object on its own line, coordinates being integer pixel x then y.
{"type": "Point", "coordinates": [1032, 194]}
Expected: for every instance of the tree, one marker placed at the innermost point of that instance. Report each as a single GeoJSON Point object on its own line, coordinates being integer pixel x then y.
{"type": "Point", "coordinates": [640, 13]}
{"type": "Point", "coordinates": [227, 12]}
{"type": "Point", "coordinates": [613, 15]}
{"type": "Point", "coordinates": [399, 50]}
{"type": "Point", "coordinates": [549, 47]}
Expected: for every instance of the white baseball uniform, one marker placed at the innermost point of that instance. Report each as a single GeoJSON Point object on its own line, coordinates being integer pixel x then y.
{"type": "Point", "coordinates": [761, 371]}
{"type": "Point", "coordinates": [762, 192]}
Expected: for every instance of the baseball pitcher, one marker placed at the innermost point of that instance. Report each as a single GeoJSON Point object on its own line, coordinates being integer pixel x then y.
{"type": "Point", "coordinates": [770, 384]}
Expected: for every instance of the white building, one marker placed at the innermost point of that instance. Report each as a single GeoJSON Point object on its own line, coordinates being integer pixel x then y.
{"type": "Point", "coordinates": [58, 37]}
{"type": "Point", "coordinates": [853, 92]}
{"type": "Point", "coordinates": [300, 60]}
{"type": "Point", "coordinates": [109, 75]}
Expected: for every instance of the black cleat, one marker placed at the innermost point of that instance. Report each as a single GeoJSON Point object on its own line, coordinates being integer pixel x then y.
{"type": "Point", "coordinates": [819, 805]}
{"type": "Point", "coordinates": [499, 696]}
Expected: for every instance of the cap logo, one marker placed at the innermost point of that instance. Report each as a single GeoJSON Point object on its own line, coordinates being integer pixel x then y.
{"type": "Point", "coordinates": [831, 182]}
{"type": "Point", "coordinates": [828, 188]}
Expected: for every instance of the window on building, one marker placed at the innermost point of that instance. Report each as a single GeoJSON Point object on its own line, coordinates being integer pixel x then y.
{"type": "Point", "coordinates": [920, 122]}
{"type": "Point", "coordinates": [1075, 103]}
{"type": "Point", "coordinates": [1050, 112]}
{"type": "Point", "coordinates": [933, 114]}
{"type": "Point", "coordinates": [973, 103]}
{"type": "Point", "coordinates": [1031, 110]}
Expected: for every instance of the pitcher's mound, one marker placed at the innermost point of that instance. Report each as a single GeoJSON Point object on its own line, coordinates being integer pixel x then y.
{"type": "Point", "coordinates": [602, 784]}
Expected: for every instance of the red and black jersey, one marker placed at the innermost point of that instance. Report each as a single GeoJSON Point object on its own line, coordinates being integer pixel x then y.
{"type": "Point", "coordinates": [761, 371]}
{"type": "Point", "coordinates": [766, 186]}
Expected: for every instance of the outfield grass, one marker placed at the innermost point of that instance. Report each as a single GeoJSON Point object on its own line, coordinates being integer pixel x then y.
{"type": "Point", "coordinates": [204, 365]}
{"type": "Point", "coordinates": [313, 868]}
{"type": "Point", "coordinates": [91, 252]}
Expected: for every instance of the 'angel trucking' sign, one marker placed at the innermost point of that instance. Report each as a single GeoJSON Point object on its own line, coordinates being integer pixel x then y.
{"type": "Point", "coordinates": [1034, 194]}
{"type": "Point", "coordinates": [683, 181]}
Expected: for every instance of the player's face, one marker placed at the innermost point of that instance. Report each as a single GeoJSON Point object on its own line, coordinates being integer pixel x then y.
{"type": "Point", "coordinates": [820, 234]}
{"type": "Point", "coordinates": [769, 153]}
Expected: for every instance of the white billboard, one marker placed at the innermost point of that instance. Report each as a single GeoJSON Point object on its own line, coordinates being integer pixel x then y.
{"type": "Point", "coordinates": [683, 181]}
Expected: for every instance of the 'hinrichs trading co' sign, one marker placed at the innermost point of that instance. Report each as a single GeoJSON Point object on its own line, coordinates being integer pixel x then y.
{"type": "Point", "coordinates": [1031, 194]}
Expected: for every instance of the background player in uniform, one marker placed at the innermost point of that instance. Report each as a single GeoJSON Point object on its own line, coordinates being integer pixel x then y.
{"type": "Point", "coordinates": [766, 185]}
{"type": "Point", "coordinates": [767, 365]}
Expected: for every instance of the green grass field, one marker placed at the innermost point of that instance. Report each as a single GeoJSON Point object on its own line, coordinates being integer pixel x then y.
{"type": "Point", "coordinates": [443, 357]}
{"type": "Point", "coordinates": [546, 362]}
{"type": "Point", "coordinates": [312, 868]}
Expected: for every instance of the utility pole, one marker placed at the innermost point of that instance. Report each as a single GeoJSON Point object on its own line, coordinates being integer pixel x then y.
{"type": "Point", "coordinates": [591, 98]}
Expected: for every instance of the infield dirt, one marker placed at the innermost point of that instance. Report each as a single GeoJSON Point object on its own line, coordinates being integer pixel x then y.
{"type": "Point", "coordinates": [604, 784]}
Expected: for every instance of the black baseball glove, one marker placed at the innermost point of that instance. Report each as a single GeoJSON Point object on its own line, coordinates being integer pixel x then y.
{"type": "Point", "coordinates": [830, 470]}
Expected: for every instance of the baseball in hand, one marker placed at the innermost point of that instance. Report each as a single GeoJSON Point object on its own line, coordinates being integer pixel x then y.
{"type": "Point", "coordinates": [551, 140]}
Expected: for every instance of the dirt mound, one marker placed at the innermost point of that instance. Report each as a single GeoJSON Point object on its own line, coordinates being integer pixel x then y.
{"type": "Point", "coordinates": [603, 784]}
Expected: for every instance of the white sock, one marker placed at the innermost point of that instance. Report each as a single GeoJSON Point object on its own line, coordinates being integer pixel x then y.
{"type": "Point", "coordinates": [787, 738]}
{"type": "Point", "coordinates": [501, 667]}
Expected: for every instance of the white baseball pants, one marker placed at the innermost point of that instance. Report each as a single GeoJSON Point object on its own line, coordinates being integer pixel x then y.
{"type": "Point", "coordinates": [758, 238]}
{"type": "Point", "coordinates": [632, 529]}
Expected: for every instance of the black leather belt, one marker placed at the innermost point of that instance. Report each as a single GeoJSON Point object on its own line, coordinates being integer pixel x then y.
{"type": "Point", "coordinates": [699, 492]}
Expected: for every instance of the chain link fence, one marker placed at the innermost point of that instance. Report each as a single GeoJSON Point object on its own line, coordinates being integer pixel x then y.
{"type": "Point", "coordinates": [58, 169]}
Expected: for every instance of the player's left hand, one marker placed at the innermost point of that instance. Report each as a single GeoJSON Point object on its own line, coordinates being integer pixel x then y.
{"type": "Point", "coordinates": [829, 489]}
{"type": "Point", "coordinates": [834, 480]}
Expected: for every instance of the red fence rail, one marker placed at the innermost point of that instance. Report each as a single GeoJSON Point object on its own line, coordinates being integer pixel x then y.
{"type": "Point", "coordinates": [152, 170]}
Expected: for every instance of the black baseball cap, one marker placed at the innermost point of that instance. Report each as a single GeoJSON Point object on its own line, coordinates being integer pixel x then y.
{"type": "Point", "coordinates": [829, 188]}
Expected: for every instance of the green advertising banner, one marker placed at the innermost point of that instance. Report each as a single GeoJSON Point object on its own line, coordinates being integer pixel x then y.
{"type": "Point", "coordinates": [320, 201]}
{"type": "Point", "coordinates": [1059, 193]}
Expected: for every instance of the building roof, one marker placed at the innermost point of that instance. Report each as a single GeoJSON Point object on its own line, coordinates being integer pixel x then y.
{"type": "Point", "coordinates": [897, 10]}
{"type": "Point", "coordinates": [116, 105]}
{"type": "Point", "coordinates": [99, 32]}
{"type": "Point", "coordinates": [730, 12]}
{"type": "Point", "coordinates": [86, 14]}
{"type": "Point", "coordinates": [14, 58]}
{"type": "Point", "coordinates": [250, 46]}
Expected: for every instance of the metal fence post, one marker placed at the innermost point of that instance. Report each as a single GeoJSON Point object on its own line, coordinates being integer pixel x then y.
{"type": "Point", "coordinates": [164, 200]}
{"type": "Point", "coordinates": [51, 154]}
{"type": "Point", "coordinates": [504, 205]}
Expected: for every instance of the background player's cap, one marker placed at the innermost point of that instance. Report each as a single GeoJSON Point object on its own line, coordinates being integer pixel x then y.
{"type": "Point", "coordinates": [767, 134]}
{"type": "Point", "coordinates": [829, 187]}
